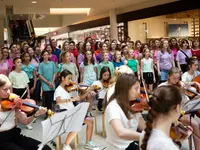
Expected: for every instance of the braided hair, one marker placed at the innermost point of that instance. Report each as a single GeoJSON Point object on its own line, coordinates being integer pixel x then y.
{"type": "Point", "coordinates": [163, 100]}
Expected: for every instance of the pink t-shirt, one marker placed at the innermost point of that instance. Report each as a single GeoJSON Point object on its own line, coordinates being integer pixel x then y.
{"type": "Point", "coordinates": [54, 58]}
{"type": "Point", "coordinates": [35, 63]}
{"type": "Point", "coordinates": [4, 67]}
{"type": "Point", "coordinates": [174, 51]}
{"type": "Point", "coordinates": [136, 53]}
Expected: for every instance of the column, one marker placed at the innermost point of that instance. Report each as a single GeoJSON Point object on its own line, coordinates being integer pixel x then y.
{"type": "Point", "coordinates": [113, 24]}
{"type": "Point", "coordinates": [1, 29]}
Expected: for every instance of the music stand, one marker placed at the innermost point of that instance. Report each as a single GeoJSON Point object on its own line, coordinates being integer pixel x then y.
{"type": "Point", "coordinates": [63, 122]}
{"type": "Point", "coordinates": [191, 107]}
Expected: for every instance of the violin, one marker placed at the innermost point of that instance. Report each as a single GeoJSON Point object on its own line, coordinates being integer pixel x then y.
{"type": "Point", "coordinates": [189, 92]}
{"type": "Point", "coordinates": [105, 84]}
{"type": "Point", "coordinates": [178, 131]}
{"type": "Point", "coordinates": [71, 87]}
{"type": "Point", "coordinates": [141, 102]}
{"type": "Point", "coordinates": [14, 101]}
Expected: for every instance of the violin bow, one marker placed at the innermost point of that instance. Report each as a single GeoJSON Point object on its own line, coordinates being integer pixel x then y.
{"type": "Point", "coordinates": [145, 90]}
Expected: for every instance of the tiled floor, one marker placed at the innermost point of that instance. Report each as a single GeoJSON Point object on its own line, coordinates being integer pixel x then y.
{"type": "Point", "coordinates": [100, 141]}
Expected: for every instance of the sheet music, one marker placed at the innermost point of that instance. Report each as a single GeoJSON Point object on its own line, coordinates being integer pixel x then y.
{"type": "Point", "coordinates": [63, 122]}
{"type": "Point", "coordinates": [189, 106]}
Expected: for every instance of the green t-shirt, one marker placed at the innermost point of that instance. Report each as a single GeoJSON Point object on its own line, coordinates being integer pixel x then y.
{"type": "Point", "coordinates": [132, 63]}
{"type": "Point", "coordinates": [108, 64]}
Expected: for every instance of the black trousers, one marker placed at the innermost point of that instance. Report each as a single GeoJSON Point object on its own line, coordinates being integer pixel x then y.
{"type": "Point", "coordinates": [20, 92]}
{"type": "Point", "coordinates": [133, 146]}
{"type": "Point", "coordinates": [48, 99]}
{"type": "Point", "coordinates": [14, 140]}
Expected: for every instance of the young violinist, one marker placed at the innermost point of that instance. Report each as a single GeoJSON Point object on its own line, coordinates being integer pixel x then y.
{"type": "Point", "coordinates": [165, 110]}
{"type": "Point", "coordinates": [64, 100]}
{"type": "Point", "coordinates": [192, 72]}
{"type": "Point", "coordinates": [120, 121]}
{"type": "Point", "coordinates": [105, 76]}
{"type": "Point", "coordinates": [10, 135]}
{"type": "Point", "coordinates": [174, 79]}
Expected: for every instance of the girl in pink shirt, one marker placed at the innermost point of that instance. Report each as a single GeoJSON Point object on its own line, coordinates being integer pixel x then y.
{"type": "Point", "coordinates": [137, 50]}
{"type": "Point", "coordinates": [173, 44]}
{"type": "Point", "coordinates": [34, 61]}
{"type": "Point", "coordinates": [5, 62]}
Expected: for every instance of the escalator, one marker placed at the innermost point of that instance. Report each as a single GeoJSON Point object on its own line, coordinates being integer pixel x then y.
{"type": "Point", "coordinates": [18, 28]}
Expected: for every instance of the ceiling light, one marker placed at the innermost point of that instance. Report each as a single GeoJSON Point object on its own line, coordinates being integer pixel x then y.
{"type": "Point", "coordinates": [34, 2]}
{"type": "Point", "coordinates": [69, 11]}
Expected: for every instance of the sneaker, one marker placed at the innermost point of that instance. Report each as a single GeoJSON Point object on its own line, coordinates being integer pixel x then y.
{"type": "Point", "coordinates": [66, 147]}
{"type": "Point", "coordinates": [29, 127]}
{"type": "Point", "coordinates": [91, 145]}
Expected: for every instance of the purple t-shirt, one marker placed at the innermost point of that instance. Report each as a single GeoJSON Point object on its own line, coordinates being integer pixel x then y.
{"type": "Point", "coordinates": [54, 58]}
{"type": "Point", "coordinates": [180, 57]}
{"type": "Point", "coordinates": [166, 60]}
{"type": "Point", "coordinates": [100, 56]}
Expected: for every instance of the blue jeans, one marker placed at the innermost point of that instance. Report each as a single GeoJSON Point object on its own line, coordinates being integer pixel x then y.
{"type": "Point", "coordinates": [164, 75]}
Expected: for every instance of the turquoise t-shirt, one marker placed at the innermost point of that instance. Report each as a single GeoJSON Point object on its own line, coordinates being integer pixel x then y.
{"type": "Point", "coordinates": [60, 67]}
{"type": "Point", "coordinates": [132, 63]}
{"type": "Point", "coordinates": [47, 70]}
{"type": "Point", "coordinates": [28, 70]}
{"type": "Point", "coordinates": [89, 74]}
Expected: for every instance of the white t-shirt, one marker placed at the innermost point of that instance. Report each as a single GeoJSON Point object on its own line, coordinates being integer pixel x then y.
{"type": "Point", "coordinates": [158, 140]}
{"type": "Point", "coordinates": [19, 80]}
{"type": "Point", "coordinates": [10, 122]}
{"type": "Point", "coordinates": [102, 91]}
{"type": "Point", "coordinates": [64, 95]}
{"type": "Point", "coordinates": [110, 91]}
{"type": "Point", "coordinates": [187, 78]}
{"type": "Point", "coordinates": [114, 111]}
{"type": "Point", "coordinates": [185, 98]}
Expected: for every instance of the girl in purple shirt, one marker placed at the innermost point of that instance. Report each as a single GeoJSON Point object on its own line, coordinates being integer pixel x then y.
{"type": "Point", "coordinates": [183, 55]}
{"type": "Point", "coordinates": [52, 56]}
{"type": "Point", "coordinates": [165, 61]}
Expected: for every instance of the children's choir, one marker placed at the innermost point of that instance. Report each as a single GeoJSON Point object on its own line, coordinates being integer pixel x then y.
{"type": "Point", "coordinates": [42, 74]}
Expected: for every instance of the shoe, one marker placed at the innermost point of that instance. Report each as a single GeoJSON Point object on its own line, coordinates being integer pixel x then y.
{"type": "Point", "coordinates": [66, 147]}
{"type": "Point", "coordinates": [29, 127]}
{"type": "Point", "coordinates": [91, 145]}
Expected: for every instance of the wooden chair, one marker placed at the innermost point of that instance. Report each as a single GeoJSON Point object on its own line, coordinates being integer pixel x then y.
{"type": "Point", "coordinates": [103, 133]}
{"type": "Point", "coordinates": [59, 144]}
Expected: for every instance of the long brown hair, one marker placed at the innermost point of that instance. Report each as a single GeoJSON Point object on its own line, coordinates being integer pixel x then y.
{"type": "Point", "coordinates": [121, 94]}
{"type": "Point", "coordinates": [162, 101]}
{"type": "Point", "coordinates": [162, 47]}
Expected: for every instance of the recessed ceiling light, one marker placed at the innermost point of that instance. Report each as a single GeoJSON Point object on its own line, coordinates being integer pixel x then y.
{"type": "Point", "coordinates": [69, 11]}
{"type": "Point", "coordinates": [34, 2]}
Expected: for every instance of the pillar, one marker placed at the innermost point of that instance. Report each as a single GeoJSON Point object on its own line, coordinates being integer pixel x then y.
{"type": "Point", "coordinates": [1, 30]}
{"type": "Point", "coordinates": [113, 24]}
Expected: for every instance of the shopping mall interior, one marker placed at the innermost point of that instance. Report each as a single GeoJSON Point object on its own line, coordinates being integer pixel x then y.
{"type": "Point", "coordinates": [139, 19]}
{"type": "Point", "coordinates": [75, 20]}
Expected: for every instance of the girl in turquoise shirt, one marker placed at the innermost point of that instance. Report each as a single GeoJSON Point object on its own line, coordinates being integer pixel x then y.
{"type": "Point", "coordinates": [30, 70]}
{"type": "Point", "coordinates": [47, 74]}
